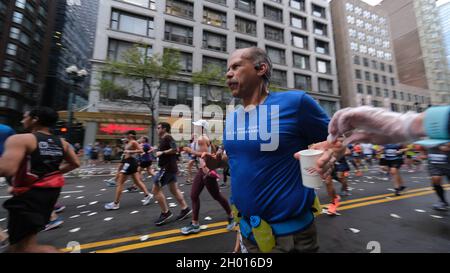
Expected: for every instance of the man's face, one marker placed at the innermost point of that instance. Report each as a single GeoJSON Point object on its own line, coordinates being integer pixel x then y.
{"type": "Point", "coordinates": [242, 77]}
{"type": "Point", "coordinates": [160, 130]}
{"type": "Point", "coordinates": [28, 121]}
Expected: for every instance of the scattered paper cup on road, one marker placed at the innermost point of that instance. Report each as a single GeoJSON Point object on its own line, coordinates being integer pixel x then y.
{"type": "Point", "coordinates": [310, 177]}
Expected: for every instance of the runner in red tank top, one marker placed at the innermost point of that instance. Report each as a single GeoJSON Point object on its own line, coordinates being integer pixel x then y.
{"type": "Point", "coordinates": [37, 162]}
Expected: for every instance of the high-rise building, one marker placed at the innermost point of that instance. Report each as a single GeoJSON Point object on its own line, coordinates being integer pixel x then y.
{"type": "Point", "coordinates": [72, 44]}
{"type": "Point", "coordinates": [418, 46]}
{"type": "Point", "coordinates": [365, 58]}
{"type": "Point", "coordinates": [444, 17]}
{"type": "Point", "coordinates": [26, 29]}
{"type": "Point", "coordinates": [297, 36]}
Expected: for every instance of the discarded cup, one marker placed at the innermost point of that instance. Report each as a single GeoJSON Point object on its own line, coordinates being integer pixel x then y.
{"type": "Point", "coordinates": [310, 177]}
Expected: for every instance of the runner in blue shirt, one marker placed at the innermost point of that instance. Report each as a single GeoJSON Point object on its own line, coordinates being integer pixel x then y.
{"type": "Point", "coordinates": [393, 155]}
{"type": "Point", "coordinates": [260, 142]}
{"type": "Point", "coordinates": [5, 132]}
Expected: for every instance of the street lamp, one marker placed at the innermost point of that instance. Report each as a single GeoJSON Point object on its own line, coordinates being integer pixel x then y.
{"type": "Point", "coordinates": [76, 75]}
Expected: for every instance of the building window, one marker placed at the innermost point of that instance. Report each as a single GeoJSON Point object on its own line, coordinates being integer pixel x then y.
{"type": "Point", "coordinates": [402, 96]}
{"type": "Point", "coordinates": [209, 62]}
{"type": "Point", "coordinates": [360, 88]}
{"type": "Point", "coordinates": [240, 43]}
{"type": "Point", "coordinates": [302, 82]}
{"type": "Point", "coordinates": [391, 69]}
{"type": "Point", "coordinates": [222, 2]}
{"type": "Point", "coordinates": [299, 41]}
{"type": "Point", "coordinates": [323, 66]}
{"type": "Point", "coordinates": [245, 26]}
{"type": "Point", "coordinates": [276, 55]}
{"type": "Point", "coordinates": [330, 107]}
{"type": "Point", "coordinates": [150, 4]}
{"type": "Point", "coordinates": [378, 91]}
{"type": "Point", "coordinates": [325, 86]}
{"type": "Point", "coordinates": [274, 34]}
{"type": "Point", "coordinates": [11, 49]}
{"type": "Point", "coordinates": [117, 49]}
{"type": "Point", "coordinates": [366, 62]}
{"type": "Point", "coordinates": [180, 8]}
{"type": "Point", "coordinates": [394, 107]}
{"type": "Point", "coordinates": [246, 5]}
{"type": "Point", "coordinates": [301, 61]}
{"type": "Point", "coordinates": [273, 13]}
{"type": "Point", "coordinates": [374, 64]}
{"type": "Point", "coordinates": [358, 74]}
{"type": "Point", "coordinates": [322, 47]}
{"type": "Point", "coordinates": [369, 90]}
{"type": "Point", "coordinates": [367, 76]}
{"type": "Point", "coordinates": [298, 21]}
{"type": "Point", "coordinates": [176, 92]}
{"type": "Point", "coordinates": [297, 4]}
{"type": "Point", "coordinates": [132, 23]}
{"type": "Point", "coordinates": [356, 60]}
{"type": "Point", "coordinates": [178, 33]}
{"type": "Point", "coordinates": [214, 41]}
{"type": "Point", "coordinates": [213, 94]}
{"type": "Point", "coordinates": [214, 18]}
{"type": "Point", "coordinates": [376, 77]}
{"type": "Point", "coordinates": [318, 11]}
{"type": "Point", "coordinates": [279, 78]}
{"type": "Point", "coordinates": [382, 67]}
{"type": "Point", "coordinates": [320, 29]}
{"type": "Point", "coordinates": [186, 62]}
{"type": "Point", "coordinates": [392, 81]}
{"type": "Point", "coordinates": [386, 93]}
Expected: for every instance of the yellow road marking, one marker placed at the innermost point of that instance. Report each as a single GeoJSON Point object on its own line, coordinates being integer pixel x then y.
{"type": "Point", "coordinates": [162, 241]}
{"type": "Point", "coordinates": [408, 194]}
{"type": "Point", "coordinates": [138, 237]}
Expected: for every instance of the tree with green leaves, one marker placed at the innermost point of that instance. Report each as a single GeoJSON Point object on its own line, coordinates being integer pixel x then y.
{"type": "Point", "coordinates": [149, 71]}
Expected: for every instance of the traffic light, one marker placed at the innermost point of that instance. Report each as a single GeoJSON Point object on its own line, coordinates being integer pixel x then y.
{"type": "Point", "coordinates": [61, 128]}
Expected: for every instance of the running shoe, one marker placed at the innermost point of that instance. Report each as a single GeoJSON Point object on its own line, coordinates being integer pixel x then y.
{"type": "Point", "coordinates": [147, 199]}
{"type": "Point", "coordinates": [331, 209]}
{"type": "Point", "coordinates": [231, 224]}
{"type": "Point", "coordinates": [59, 208]}
{"type": "Point", "coordinates": [163, 217]}
{"type": "Point", "coordinates": [111, 182]}
{"type": "Point", "coordinates": [345, 193]}
{"type": "Point", "coordinates": [184, 213]}
{"type": "Point", "coordinates": [54, 224]}
{"type": "Point", "coordinates": [188, 182]}
{"type": "Point", "coordinates": [441, 206]}
{"type": "Point", "coordinates": [112, 206]}
{"type": "Point", "coordinates": [190, 229]}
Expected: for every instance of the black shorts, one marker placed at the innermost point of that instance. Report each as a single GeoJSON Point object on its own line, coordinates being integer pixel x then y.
{"type": "Point", "coordinates": [383, 162]}
{"type": "Point", "coordinates": [163, 178]}
{"type": "Point", "coordinates": [145, 164]}
{"type": "Point", "coordinates": [436, 170]}
{"type": "Point", "coordinates": [107, 158]}
{"type": "Point", "coordinates": [30, 212]}
{"type": "Point", "coordinates": [397, 163]}
{"type": "Point", "coordinates": [94, 156]}
{"type": "Point", "coordinates": [130, 166]}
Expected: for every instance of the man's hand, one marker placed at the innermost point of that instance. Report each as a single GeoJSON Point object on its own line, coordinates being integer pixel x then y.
{"type": "Point", "coordinates": [332, 152]}
{"type": "Point", "coordinates": [187, 149]}
{"type": "Point", "coordinates": [158, 154]}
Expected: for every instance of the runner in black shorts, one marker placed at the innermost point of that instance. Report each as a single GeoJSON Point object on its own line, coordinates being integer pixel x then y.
{"type": "Point", "coordinates": [37, 162]}
{"type": "Point", "coordinates": [130, 167]}
{"type": "Point", "coordinates": [393, 154]}
{"type": "Point", "coordinates": [438, 167]}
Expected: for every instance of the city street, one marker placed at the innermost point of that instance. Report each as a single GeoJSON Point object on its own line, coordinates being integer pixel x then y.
{"type": "Point", "coordinates": [371, 219]}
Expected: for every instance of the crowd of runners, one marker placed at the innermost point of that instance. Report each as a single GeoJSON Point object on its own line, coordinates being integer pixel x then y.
{"type": "Point", "coordinates": [266, 185]}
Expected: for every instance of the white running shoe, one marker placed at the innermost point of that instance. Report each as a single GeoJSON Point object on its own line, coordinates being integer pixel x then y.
{"type": "Point", "coordinates": [147, 200]}
{"type": "Point", "coordinates": [112, 206]}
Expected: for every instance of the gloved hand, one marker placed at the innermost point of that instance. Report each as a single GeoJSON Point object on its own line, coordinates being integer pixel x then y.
{"type": "Point", "coordinates": [366, 124]}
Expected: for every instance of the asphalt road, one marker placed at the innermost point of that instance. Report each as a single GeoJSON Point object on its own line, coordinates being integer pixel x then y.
{"type": "Point", "coordinates": [372, 219]}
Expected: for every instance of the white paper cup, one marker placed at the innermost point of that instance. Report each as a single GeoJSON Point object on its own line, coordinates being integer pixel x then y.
{"type": "Point", "coordinates": [310, 177]}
